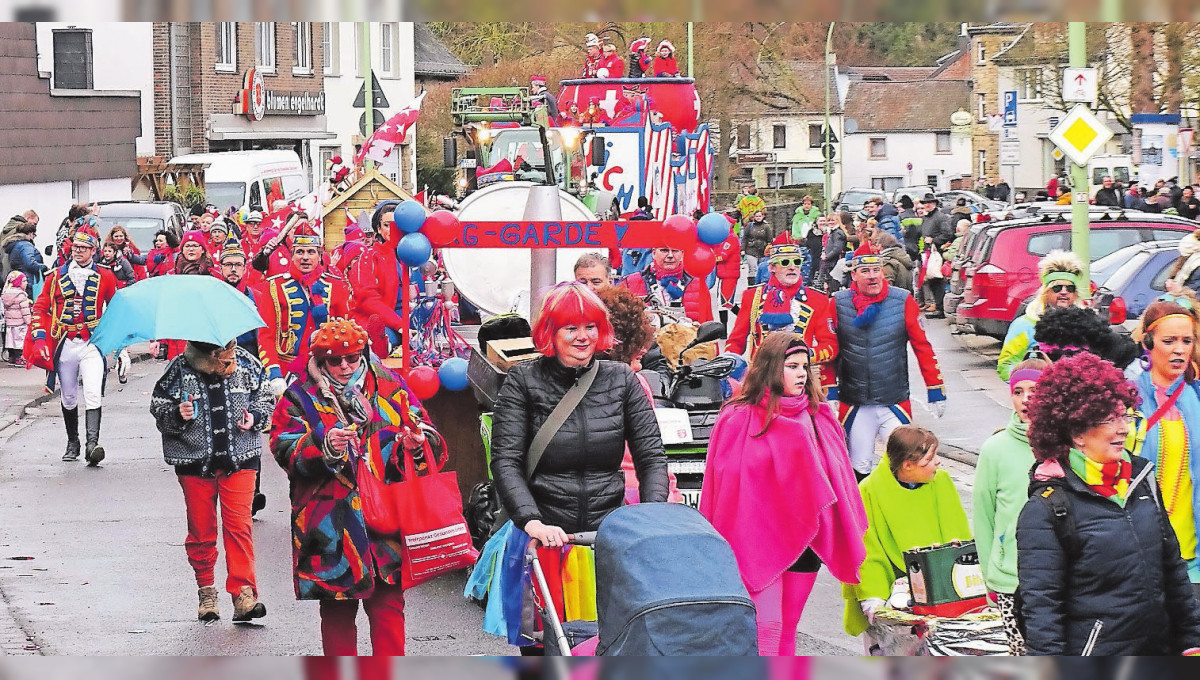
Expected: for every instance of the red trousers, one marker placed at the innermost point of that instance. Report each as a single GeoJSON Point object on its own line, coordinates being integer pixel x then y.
{"type": "Point", "coordinates": [385, 610]}
{"type": "Point", "coordinates": [234, 493]}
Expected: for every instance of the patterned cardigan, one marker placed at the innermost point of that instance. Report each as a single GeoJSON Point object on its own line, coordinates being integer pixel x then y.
{"type": "Point", "coordinates": [187, 442]}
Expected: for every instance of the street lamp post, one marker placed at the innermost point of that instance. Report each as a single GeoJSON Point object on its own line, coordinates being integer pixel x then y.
{"type": "Point", "coordinates": [827, 146]}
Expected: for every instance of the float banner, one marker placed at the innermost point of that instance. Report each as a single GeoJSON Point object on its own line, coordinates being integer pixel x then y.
{"type": "Point", "coordinates": [564, 234]}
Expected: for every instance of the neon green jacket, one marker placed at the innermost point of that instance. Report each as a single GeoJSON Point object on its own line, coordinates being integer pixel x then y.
{"type": "Point", "coordinates": [899, 519]}
{"type": "Point", "coordinates": [1017, 342]}
{"type": "Point", "coordinates": [802, 221]}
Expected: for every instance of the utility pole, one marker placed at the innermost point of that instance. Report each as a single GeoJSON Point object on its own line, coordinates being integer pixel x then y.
{"type": "Point", "coordinates": [1080, 236]}
{"type": "Point", "coordinates": [827, 143]}
{"type": "Point", "coordinates": [364, 58]}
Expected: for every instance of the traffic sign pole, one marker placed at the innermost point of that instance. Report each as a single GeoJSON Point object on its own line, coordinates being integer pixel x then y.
{"type": "Point", "coordinates": [365, 59]}
{"type": "Point", "coordinates": [1080, 230]}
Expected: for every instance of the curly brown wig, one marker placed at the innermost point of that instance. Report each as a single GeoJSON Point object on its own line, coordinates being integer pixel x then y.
{"type": "Point", "coordinates": [630, 323]}
{"type": "Point", "coordinates": [1073, 396]}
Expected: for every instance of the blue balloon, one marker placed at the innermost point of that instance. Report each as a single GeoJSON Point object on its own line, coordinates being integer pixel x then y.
{"type": "Point", "coordinates": [712, 229]}
{"type": "Point", "coordinates": [414, 249]}
{"type": "Point", "coordinates": [453, 374]}
{"type": "Point", "coordinates": [409, 215]}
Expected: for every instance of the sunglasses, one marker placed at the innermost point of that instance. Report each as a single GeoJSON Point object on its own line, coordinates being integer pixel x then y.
{"type": "Point", "coordinates": [1177, 299]}
{"type": "Point", "coordinates": [788, 262]}
{"type": "Point", "coordinates": [349, 360]}
{"type": "Point", "coordinates": [1060, 287]}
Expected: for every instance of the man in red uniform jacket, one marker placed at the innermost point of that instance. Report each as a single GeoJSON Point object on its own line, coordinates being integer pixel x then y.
{"type": "Point", "coordinates": [729, 270]}
{"type": "Point", "coordinates": [295, 304]}
{"type": "Point", "coordinates": [375, 279]}
{"type": "Point", "coordinates": [784, 303]}
{"type": "Point", "coordinates": [666, 285]}
{"type": "Point", "coordinates": [64, 317]}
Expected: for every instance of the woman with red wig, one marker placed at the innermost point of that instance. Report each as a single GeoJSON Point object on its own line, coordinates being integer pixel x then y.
{"type": "Point", "coordinates": [577, 481]}
{"type": "Point", "coordinates": [1098, 563]}
{"type": "Point", "coordinates": [1170, 403]}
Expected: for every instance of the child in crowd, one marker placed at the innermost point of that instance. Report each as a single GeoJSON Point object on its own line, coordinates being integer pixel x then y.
{"type": "Point", "coordinates": [16, 317]}
{"type": "Point", "coordinates": [910, 503]}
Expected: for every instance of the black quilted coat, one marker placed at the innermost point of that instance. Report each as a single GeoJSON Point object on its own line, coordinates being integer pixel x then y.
{"type": "Point", "coordinates": [579, 479]}
{"type": "Point", "coordinates": [1127, 574]}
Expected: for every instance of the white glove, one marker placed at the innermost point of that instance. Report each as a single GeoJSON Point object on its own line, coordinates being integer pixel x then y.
{"type": "Point", "coordinates": [870, 607]}
{"type": "Point", "coordinates": [938, 408]}
{"type": "Point", "coordinates": [277, 386]}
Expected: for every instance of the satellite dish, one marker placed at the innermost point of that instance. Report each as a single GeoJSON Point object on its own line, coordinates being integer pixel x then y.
{"type": "Point", "coordinates": [850, 125]}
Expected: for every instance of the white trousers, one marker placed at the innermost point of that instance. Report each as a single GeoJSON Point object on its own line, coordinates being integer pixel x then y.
{"type": "Point", "coordinates": [78, 362]}
{"type": "Point", "coordinates": [866, 425]}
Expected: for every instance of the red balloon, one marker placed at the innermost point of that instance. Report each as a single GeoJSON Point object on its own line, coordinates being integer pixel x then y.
{"type": "Point", "coordinates": [699, 261]}
{"type": "Point", "coordinates": [679, 232]}
{"type": "Point", "coordinates": [424, 382]}
{"type": "Point", "coordinates": [441, 228]}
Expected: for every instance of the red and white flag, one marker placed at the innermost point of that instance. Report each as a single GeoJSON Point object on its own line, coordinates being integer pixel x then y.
{"type": "Point", "coordinates": [380, 144]}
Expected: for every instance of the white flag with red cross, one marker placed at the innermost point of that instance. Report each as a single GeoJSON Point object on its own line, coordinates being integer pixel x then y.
{"type": "Point", "coordinates": [381, 142]}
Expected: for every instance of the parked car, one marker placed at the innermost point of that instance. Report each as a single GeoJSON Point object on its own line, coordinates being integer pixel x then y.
{"type": "Point", "coordinates": [997, 266]}
{"type": "Point", "coordinates": [853, 199]}
{"type": "Point", "coordinates": [1137, 274]}
{"type": "Point", "coordinates": [916, 193]}
{"type": "Point", "coordinates": [948, 199]}
{"type": "Point", "coordinates": [142, 219]}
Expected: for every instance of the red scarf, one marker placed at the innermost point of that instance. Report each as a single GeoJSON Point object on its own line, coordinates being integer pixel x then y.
{"type": "Point", "coordinates": [862, 301]}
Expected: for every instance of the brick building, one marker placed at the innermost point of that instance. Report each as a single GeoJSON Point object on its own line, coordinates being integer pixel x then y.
{"type": "Point", "coordinates": [226, 86]}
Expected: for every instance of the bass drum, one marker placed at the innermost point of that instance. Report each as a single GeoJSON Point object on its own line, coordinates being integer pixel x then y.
{"type": "Point", "coordinates": [496, 280]}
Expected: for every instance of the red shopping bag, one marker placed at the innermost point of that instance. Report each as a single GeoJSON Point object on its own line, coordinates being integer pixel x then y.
{"type": "Point", "coordinates": [433, 533]}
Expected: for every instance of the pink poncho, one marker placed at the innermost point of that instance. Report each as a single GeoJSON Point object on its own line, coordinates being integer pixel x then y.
{"type": "Point", "coordinates": [774, 496]}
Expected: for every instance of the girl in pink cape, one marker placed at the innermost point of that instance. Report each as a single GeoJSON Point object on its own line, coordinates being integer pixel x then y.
{"type": "Point", "coordinates": [779, 487]}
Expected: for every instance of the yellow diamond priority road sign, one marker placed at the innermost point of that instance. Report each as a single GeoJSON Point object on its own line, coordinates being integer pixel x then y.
{"type": "Point", "coordinates": [1081, 134]}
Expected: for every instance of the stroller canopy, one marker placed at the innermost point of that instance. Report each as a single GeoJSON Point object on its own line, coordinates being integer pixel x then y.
{"type": "Point", "coordinates": [668, 584]}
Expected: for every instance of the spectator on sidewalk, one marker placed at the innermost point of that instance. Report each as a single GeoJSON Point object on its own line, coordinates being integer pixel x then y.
{"type": "Point", "coordinates": [750, 203]}
{"type": "Point", "coordinates": [211, 406]}
{"type": "Point", "coordinates": [21, 255]}
{"type": "Point", "coordinates": [1108, 194]}
{"type": "Point", "coordinates": [17, 315]}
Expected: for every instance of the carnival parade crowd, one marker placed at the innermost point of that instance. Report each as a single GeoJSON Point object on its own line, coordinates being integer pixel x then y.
{"type": "Point", "coordinates": [1084, 513]}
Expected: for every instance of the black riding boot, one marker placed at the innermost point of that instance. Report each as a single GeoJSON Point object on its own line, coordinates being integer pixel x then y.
{"type": "Point", "coordinates": [260, 500]}
{"type": "Point", "coordinates": [95, 452]}
{"type": "Point", "coordinates": [71, 419]}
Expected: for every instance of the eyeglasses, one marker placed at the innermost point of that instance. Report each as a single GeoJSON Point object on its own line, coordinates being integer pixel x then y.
{"type": "Point", "coordinates": [1126, 418]}
{"type": "Point", "coordinates": [1060, 287]}
{"type": "Point", "coordinates": [349, 360]}
{"type": "Point", "coordinates": [788, 262]}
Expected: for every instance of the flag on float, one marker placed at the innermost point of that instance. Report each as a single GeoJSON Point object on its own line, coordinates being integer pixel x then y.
{"type": "Point", "coordinates": [381, 142]}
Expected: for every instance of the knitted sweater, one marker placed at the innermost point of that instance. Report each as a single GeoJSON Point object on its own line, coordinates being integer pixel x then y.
{"type": "Point", "coordinates": [188, 442]}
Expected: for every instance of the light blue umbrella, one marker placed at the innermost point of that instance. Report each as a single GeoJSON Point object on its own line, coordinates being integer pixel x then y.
{"type": "Point", "coordinates": [187, 307]}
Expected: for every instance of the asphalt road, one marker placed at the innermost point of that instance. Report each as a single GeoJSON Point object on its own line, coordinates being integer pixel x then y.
{"type": "Point", "coordinates": [92, 560]}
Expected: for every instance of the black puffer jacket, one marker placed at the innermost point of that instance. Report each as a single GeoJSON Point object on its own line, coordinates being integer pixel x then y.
{"type": "Point", "coordinates": [579, 479]}
{"type": "Point", "coordinates": [1127, 574]}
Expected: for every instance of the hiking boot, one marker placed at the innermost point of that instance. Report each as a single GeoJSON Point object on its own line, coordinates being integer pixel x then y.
{"type": "Point", "coordinates": [95, 452]}
{"type": "Point", "coordinates": [208, 611]}
{"type": "Point", "coordinates": [246, 606]}
{"type": "Point", "coordinates": [71, 419]}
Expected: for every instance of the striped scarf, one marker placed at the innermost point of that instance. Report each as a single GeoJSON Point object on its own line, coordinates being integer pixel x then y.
{"type": "Point", "coordinates": [1110, 480]}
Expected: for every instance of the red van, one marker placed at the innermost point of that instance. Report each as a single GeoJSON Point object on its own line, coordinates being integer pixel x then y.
{"type": "Point", "coordinates": [995, 273]}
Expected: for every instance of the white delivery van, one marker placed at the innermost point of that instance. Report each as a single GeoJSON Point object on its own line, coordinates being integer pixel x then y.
{"type": "Point", "coordinates": [250, 179]}
{"type": "Point", "coordinates": [1119, 166]}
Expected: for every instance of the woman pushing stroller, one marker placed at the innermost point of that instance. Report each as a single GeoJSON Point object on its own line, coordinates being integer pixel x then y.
{"type": "Point", "coordinates": [778, 467]}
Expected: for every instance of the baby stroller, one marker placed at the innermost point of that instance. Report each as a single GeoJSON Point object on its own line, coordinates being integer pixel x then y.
{"type": "Point", "coordinates": [667, 584]}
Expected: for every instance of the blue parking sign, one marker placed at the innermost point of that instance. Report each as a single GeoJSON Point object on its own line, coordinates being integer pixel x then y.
{"type": "Point", "coordinates": [1010, 109]}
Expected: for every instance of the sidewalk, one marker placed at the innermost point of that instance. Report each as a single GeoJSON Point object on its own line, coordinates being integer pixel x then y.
{"type": "Point", "coordinates": [24, 389]}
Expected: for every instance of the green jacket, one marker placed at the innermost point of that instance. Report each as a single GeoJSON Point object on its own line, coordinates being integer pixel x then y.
{"type": "Point", "coordinates": [1001, 489]}
{"type": "Point", "coordinates": [802, 222]}
{"type": "Point", "coordinates": [899, 519]}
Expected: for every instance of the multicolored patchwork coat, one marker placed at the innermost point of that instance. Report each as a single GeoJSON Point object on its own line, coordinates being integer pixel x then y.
{"type": "Point", "coordinates": [334, 556]}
